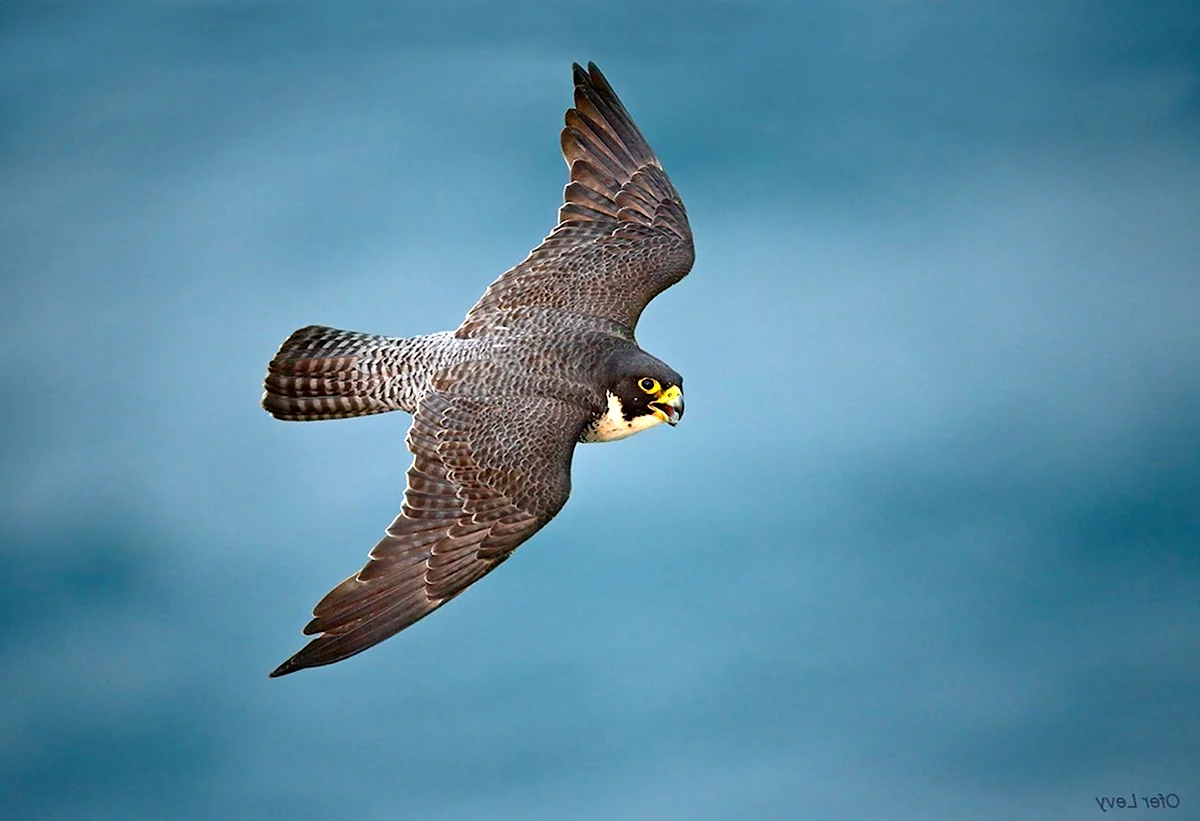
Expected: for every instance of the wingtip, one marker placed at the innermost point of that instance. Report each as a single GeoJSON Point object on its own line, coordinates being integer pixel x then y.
{"type": "Point", "coordinates": [300, 660]}
{"type": "Point", "coordinates": [288, 666]}
{"type": "Point", "coordinates": [308, 656]}
{"type": "Point", "coordinates": [590, 76]}
{"type": "Point", "coordinates": [598, 81]}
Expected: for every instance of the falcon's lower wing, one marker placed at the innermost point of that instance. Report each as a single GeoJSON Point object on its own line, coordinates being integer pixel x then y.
{"type": "Point", "coordinates": [487, 474]}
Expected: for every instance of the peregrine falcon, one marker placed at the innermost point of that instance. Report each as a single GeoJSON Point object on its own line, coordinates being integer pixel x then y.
{"type": "Point", "coordinates": [544, 360]}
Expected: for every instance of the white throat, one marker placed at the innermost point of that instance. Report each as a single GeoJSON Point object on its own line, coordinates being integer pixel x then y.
{"type": "Point", "coordinates": [613, 425]}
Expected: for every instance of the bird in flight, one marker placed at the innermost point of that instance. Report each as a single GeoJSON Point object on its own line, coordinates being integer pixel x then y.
{"type": "Point", "coordinates": [544, 360]}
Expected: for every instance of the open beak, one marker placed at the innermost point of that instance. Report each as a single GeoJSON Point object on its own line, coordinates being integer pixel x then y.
{"type": "Point", "coordinates": [669, 405]}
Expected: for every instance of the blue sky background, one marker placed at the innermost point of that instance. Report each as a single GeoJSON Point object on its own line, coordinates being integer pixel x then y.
{"type": "Point", "coordinates": [925, 546]}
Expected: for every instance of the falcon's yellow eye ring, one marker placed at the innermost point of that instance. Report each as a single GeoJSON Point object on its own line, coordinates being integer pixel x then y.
{"type": "Point", "coordinates": [648, 385]}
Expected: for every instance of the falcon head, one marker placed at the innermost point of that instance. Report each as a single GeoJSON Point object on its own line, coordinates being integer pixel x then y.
{"type": "Point", "coordinates": [638, 398]}
{"type": "Point", "coordinates": [646, 396]}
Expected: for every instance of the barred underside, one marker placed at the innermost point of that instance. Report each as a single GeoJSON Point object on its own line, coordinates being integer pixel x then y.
{"type": "Point", "coordinates": [325, 373]}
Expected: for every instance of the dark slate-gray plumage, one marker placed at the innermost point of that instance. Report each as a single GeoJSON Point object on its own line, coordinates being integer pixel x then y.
{"type": "Point", "coordinates": [546, 359]}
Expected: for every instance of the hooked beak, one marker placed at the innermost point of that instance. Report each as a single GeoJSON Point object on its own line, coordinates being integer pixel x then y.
{"type": "Point", "coordinates": [669, 405]}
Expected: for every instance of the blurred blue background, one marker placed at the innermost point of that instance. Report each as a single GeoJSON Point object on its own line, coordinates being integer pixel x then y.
{"type": "Point", "coordinates": [925, 546]}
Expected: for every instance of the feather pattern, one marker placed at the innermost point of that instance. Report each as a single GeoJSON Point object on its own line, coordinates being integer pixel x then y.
{"type": "Point", "coordinates": [323, 373]}
{"type": "Point", "coordinates": [474, 494]}
{"type": "Point", "coordinates": [622, 235]}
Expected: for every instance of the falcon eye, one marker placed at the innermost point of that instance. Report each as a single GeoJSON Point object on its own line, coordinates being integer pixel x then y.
{"type": "Point", "coordinates": [648, 385]}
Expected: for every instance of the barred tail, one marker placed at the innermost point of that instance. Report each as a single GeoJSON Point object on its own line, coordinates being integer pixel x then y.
{"type": "Point", "coordinates": [324, 373]}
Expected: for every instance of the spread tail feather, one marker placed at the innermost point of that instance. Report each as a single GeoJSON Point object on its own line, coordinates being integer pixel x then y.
{"type": "Point", "coordinates": [324, 373]}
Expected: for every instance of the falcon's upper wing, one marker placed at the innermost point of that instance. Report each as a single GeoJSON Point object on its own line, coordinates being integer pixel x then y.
{"type": "Point", "coordinates": [622, 234]}
{"type": "Point", "coordinates": [488, 472]}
